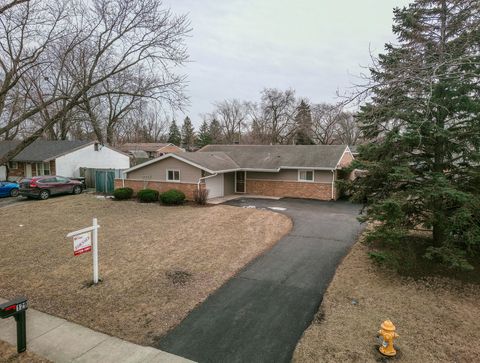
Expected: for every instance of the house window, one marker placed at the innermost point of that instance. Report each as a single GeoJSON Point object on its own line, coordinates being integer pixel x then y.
{"type": "Point", "coordinates": [305, 175]}
{"type": "Point", "coordinates": [12, 165]}
{"type": "Point", "coordinates": [173, 175]}
{"type": "Point", "coordinates": [43, 169]}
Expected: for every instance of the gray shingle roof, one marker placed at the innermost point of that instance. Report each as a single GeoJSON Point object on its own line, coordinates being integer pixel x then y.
{"type": "Point", "coordinates": [278, 156]}
{"type": "Point", "coordinates": [219, 158]}
{"type": "Point", "coordinates": [41, 150]}
{"type": "Point", "coordinates": [145, 146]}
{"type": "Point", "coordinates": [214, 161]}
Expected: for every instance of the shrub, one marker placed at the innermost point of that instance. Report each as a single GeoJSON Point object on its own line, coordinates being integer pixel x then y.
{"type": "Point", "coordinates": [172, 197]}
{"type": "Point", "coordinates": [200, 196]}
{"type": "Point", "coordinates": [123, 193]}
{"type": "Point", "coordinates": [147, 195]}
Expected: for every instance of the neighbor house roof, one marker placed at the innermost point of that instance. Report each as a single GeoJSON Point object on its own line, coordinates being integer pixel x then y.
{"type": "Point", "coordinates": [223, 158]}
{"type": "Point", "coordinates": [145, 146]}
{"type": "Point", "coordinates": [42, 150]}
{"type": "Point", "coordinates": [281, 156]}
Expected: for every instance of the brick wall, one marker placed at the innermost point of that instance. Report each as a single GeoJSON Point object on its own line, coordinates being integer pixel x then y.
{"type": "Point", "coordinates": [321, 191]}
{"type": "Point", "coordinates": [137, 185]}
{"type": "Point", "coordinates": [346, 160]}
{"type": "Point", "coordinates": [18, 172]}
{"type": "Point", "coordinates": [53, 170]}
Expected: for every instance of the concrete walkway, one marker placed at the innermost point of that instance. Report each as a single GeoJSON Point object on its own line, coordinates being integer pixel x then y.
{"type": "Point", "coordinates": [230, 197]}
{"type": "Point", "coordinates": [260, 314]}
{"type": "Point", "coordinates": [61, 341]}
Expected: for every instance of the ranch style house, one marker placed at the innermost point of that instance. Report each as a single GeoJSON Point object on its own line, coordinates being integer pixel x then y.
{"type": "Point", "coordinates": [299, 171]}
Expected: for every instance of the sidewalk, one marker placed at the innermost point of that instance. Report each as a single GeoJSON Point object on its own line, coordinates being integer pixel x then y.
{"type": "Point", "coordinates": [61, 341]}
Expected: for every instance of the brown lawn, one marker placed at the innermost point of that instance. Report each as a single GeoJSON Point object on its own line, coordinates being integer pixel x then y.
{"type": "Point", "coordinates": [157, 263]}
{"type": "Point", "coordinates": [436, 318]}
{"type": "Point", "coordinates": [8, 354]}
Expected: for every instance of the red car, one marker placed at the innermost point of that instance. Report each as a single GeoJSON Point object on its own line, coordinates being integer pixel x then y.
{"type": "Point", "coordinates": [42, 187]}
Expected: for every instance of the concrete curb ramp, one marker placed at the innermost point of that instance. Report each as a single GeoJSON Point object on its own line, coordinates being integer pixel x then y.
{"type": "Point", "coordinates": [62, 341]}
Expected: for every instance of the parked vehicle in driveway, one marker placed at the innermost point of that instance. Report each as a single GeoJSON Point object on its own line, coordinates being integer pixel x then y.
{"type": "Point", "coordinates": [42, 187]}
{"type": "Point", "coordinates": [8, 189]}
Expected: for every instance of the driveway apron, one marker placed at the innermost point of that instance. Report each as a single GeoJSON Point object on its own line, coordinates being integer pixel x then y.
{"type": "Point", "coordinates": [260, 314]}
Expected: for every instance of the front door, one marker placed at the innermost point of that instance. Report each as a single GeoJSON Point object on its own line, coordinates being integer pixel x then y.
{"type": "Point", "coordinates": [240, 177]}
{"type": "Point", "coordinates": [28, 170]}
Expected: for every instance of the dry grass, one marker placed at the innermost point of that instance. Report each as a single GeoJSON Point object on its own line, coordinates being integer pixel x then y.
{"type": "Point", "coordinates": [8, 354]}
{"type": "Point", "coordinates": [437, 318]}
{"type": "Point", "coordinates": [157, 263]}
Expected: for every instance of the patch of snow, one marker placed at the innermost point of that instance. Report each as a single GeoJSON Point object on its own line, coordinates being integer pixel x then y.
{"type": "Point", "coordinates": [104, 197]}
{"type": "Point", "coordinates": [277, 208]}
{"type": "Point", "coordinates": [249, 206]}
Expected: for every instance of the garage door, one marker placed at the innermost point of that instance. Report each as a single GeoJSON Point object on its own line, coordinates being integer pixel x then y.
{"type": "Point", "coordinates": [215, 186]}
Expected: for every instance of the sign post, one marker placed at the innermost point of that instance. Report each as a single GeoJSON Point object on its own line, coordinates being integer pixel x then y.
{"type": "Point", "coordinates": [95, 251]}
{"type": "Point", "coordinates": [86, 240]}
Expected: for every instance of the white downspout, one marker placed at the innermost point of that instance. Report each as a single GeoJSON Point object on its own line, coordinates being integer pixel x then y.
{"type": "Point", "coordinates": [203, 178]}
{"type": "Point", "coordinates": [333, 184]}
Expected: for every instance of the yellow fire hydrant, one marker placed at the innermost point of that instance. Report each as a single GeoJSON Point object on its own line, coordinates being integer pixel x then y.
{"type": "Point", "coordinates": [387, 332]}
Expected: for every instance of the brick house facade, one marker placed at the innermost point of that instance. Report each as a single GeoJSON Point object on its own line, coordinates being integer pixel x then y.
{"type": "Point", "coordinates": [281, 171]}
{"type": "Point", "coordinates": [187, 188]}
{"type": "Point", "coordinates": [20, 170]}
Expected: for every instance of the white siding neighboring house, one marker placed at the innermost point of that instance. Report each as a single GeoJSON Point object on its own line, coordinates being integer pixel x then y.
{"type": "Point", "coordinates": [61, 157]}
{"type": "Point", "coordinates": [87, 157]}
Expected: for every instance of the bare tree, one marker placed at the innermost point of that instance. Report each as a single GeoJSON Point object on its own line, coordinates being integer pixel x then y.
{"type": "Point", "coordinates": [278, 113]}
{"type": "Point", "coordinates": [5, 5]}
{"type": "Point", "coordinates": [348, 132]}
{"type": "Point", "coordinates": [146, 122]}
{"type": "Point", "coordinates": [260, 131]}
{"type": "Point", "coordinates": [232, 115]}
{"type": "Point", "coordinates": [83, 46]}
{"type": "Point", "coordinates": [325, 119]}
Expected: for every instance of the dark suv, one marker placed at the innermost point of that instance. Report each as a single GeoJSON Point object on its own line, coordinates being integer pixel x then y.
{"type": "Point", "coordinates": [43, 187]}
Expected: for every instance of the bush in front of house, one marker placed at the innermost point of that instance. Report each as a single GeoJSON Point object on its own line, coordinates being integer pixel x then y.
{"type": "Point", "coordinates": [172, 197]}
{"type": "Point", "coordinates": [123, 193]}
{"type": "Point", "coordinates": [147, 195]}
{"type": "Point", "coordinates": [200, 196]}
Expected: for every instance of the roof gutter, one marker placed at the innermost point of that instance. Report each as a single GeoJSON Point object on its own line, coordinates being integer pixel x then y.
{"type": "Point", "coordinates": [203, 178]}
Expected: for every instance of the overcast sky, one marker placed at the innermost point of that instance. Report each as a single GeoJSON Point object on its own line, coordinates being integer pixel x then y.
{"type": "Point", "coordinates": [239, 47]}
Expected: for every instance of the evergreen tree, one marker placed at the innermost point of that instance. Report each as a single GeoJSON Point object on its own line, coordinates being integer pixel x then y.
{"type": "Point", "coordinates": [424, 119]}
{"type": "Point", "coordinates": [174, 135]}
{"type": "Point", "coordinates": [188, 134]}
{"type": "Point", "coordinates": [303, 124]}
{"type": "Point", "coordinates": [204, 137]}
{"type": "Point", "coordinates": [215, 130]}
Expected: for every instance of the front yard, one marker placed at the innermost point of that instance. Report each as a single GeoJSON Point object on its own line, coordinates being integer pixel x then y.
{"type": "Point", "coordinates": [8, 354]}
{"type": "Point", "coordinates": [157, 263]}
{"type": "Point", "coordinates": [436, 317]}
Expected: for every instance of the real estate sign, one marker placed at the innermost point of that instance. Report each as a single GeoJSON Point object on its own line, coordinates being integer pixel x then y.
{"type": "Point", "coordinates": [85, 240]}
{"type": "Point", "coordinates": [82, 243]}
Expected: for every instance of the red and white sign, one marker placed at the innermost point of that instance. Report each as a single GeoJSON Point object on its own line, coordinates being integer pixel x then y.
{"type": "Point", "coordinates": [82, 243]}
{"type": "Point", "coordinates": [86, 240]}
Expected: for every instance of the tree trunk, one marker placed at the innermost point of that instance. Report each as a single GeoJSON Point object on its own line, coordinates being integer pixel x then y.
{"type": "Point", "coordinates": [439, 217]}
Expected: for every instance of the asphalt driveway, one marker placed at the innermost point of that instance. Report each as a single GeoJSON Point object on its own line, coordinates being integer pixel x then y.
{"type": "Point", "coordinates": [9, 201]}
{"type": "Point", "coordinates": [260, 314]}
